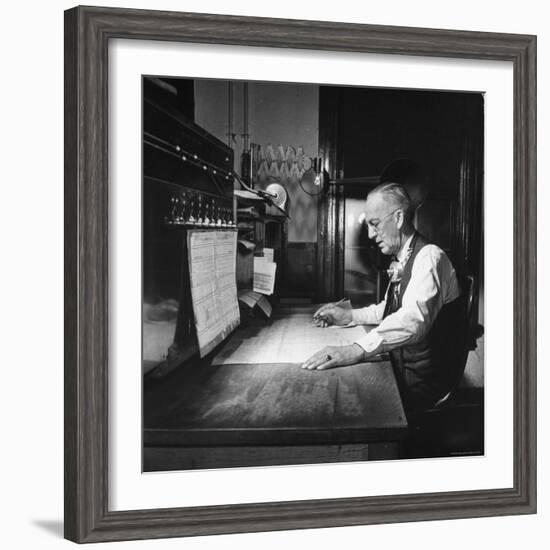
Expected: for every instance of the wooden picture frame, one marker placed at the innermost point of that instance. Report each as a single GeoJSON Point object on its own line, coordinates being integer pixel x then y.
{"type": "Point", "coordinates": [87, 34]}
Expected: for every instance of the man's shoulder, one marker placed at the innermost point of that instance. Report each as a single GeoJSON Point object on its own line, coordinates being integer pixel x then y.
{"type": "Point", "coordinates": [425, 246]}
{"type": "Point", "coordinates": [432, 256]}
{"type": "Point", "coordinates": [433, 259]}
{"type": "Point", "coordinates": [430, 250]}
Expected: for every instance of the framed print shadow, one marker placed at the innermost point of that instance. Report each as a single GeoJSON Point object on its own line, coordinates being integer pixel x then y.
{"type": "Point", "coordinates": [304, 274]}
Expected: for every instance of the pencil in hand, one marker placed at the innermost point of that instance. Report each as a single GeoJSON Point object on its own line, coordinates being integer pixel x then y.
{"type": "Point", "coordinates": [335, 313]}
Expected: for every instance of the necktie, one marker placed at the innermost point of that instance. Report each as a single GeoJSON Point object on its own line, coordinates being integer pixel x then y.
{"type": "Point", "coordinates": [392, 299]}
{"type": "Point", "coordinates": [395, 273]}
{"type": "Point", "coordinates": [392, 296]}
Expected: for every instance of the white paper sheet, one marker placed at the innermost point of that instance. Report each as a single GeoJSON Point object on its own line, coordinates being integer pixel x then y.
{"type": "Point", "coordinates": [264, 276]}
{"type": "Point", "coordinates": [288, 339]}
{"type": "Point", "coordinates": [269, 254]}
{"type": "Point", "coordinates": [212, 258]}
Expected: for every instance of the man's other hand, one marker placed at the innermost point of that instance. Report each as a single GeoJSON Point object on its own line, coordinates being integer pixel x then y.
{"type": "Point", "coordinates": [335, 356]}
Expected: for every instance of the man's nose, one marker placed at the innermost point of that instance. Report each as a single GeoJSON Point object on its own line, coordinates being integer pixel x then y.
{"type": "Point", "coordinates": [372, 233]}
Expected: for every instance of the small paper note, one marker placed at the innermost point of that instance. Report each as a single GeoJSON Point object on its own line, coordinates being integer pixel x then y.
{"type": "Point", "coordinates": [264, 276]}
{"type": "Point", "coordinates": [268, 254]}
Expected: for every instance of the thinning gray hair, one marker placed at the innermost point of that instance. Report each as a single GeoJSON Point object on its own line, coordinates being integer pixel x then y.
{"type": "Point", "coordinates": [397, 196]}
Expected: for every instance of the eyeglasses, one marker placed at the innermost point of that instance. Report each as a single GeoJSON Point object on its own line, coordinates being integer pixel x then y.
{"type": "Point", "coordinates": [374, 225]}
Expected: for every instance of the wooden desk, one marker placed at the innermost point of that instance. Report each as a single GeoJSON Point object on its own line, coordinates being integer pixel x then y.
{"type": "Point", "coordinates": [204, 416]}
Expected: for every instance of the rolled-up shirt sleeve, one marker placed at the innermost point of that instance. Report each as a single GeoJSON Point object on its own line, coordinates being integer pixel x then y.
{"type": "Point", "coordinates": [432, 284]}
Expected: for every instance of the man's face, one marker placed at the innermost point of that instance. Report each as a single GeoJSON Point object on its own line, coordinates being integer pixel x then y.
{"type": "Point", "coordinates": [384, 222]}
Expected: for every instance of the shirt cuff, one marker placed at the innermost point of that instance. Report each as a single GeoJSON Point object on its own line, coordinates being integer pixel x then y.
{"type": "Point", "coordinates": [371, 342]}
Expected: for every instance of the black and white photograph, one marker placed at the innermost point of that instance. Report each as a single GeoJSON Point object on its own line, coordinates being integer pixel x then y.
{"type": "Point", "coordinates": [312, 273]}
{"type": "Point", "coordinates": [280, 270]}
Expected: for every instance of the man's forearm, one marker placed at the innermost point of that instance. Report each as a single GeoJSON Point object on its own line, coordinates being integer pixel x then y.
{"type": "Point", "coordinates": [370, 315]}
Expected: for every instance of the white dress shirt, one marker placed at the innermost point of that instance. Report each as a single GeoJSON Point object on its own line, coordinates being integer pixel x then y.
{"type": "Point", "coordinates": [433, 283]}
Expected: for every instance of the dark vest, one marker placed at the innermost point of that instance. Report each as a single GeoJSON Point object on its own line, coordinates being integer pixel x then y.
{"type": "Point", "coordinates": [427, 370]}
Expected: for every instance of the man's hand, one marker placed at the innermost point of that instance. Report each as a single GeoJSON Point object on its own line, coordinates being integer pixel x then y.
{"type": "Point", "coordinates": [335, 356]}
{"type": "Point", "coordinates": [332, 314]}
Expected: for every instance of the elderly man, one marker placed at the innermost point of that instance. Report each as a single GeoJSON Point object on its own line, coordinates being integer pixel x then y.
{"type": "Point", "coordinates": [420, 319]}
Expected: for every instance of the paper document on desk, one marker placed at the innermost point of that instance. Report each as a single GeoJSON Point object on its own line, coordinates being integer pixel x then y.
{"type": "Point", "coordinates": [212, 257]}
{"type": "Point", "coordinates": [290, 338]}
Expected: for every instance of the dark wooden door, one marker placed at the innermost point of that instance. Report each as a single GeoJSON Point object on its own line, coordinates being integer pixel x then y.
{"type": "Point", "coordinates": [362, 131]}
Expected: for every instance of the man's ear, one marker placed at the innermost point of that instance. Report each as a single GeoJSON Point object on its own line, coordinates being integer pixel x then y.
{"type": "Point", "coordinates": [400, 218]}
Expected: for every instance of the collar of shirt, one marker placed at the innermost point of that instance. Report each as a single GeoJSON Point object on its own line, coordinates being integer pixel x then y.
{"type": "Point", "coordinates": [402, 254]}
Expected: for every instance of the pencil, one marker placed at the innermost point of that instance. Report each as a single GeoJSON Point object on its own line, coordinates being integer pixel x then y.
{"type": "Point", "coordinates": [332, 305]}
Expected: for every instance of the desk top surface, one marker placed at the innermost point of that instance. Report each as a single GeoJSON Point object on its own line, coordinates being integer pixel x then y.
{"type": "Point", "coordinates": [276, 403]}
